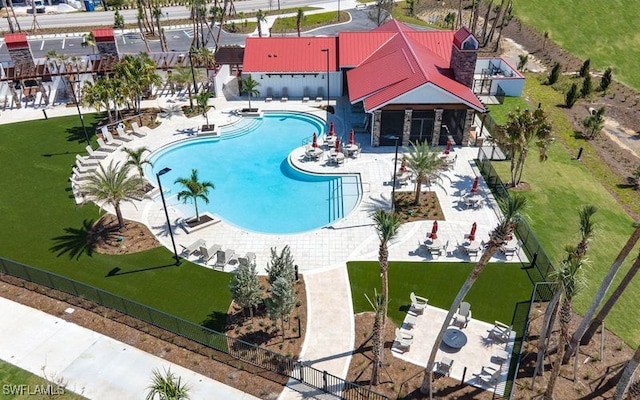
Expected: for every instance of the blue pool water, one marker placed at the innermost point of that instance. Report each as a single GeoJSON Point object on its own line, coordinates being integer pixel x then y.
{"type": "Point", "coordinates": [255, 187]}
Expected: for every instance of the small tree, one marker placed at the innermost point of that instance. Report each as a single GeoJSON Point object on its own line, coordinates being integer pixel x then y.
{"type": "Point", "coordinates": [281, 265]}
{"type": "Point", "coordinates": [594, 123]}
{"type": "Point", "coordinates": [260, 18]}
{"type": "Point", "coordinates": [634, 178]}
{"type": "Point", "coordinates": [299, 18]}
{"type": "Point", "coordinates": [571, 96]}
{"type": "Point", "coordinates": [450, 19]}
{"type": "Point", "coordinates": [194, 190]}
{"type": "Point", "coordinates": [587, 86]}
{"type": "Point", "coordinates": [250, 86]}
{"type": "Point", "coordinates": [245, 287]}
{"type": "Point", "coordinates": [167, 386]}
{"type": "Point", "coordinates": [605, 82]}
{"type": "Point", "coordinates": [136, 159]}
{"type": "Point", "coordinates": [584, 70]}
{"type": "Point", "coordinates": [554, 75]}
{"type": "Point", "coordinates": [544, 40]}
{"type": "Point", "coordinates": [522, 62]}
{"type": "Point", "coordinates": [118, 20]}
{"type": "Point", "coordinates": [281, 302]}
{"type": "Point", "coordinates": [202, 99]}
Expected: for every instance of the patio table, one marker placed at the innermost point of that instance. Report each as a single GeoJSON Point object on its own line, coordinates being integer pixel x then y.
{"type": "Point", "coordinates": [454, 338]}
{"type": "Point", "coordinates": [433, 244]}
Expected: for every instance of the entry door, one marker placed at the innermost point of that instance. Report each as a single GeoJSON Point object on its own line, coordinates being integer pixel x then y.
{"type": "Point", "coordinates": [421, 130]}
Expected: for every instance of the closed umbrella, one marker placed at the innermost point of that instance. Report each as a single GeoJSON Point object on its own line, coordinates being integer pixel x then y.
{"type": "Point", "coordinates": [331, 129]}
{"type": "Point", "coordinates": [314, 144]}
{"type": "Point", "coordinates": [352, 137]}
{"type": "Point", "coordinates": [472, 234]}
{"type": "Point", "coordinates": [447, 149]}
{"type": "Point", "coordinates": [434, 231]}
{"type": "Point", "coordinates": [474, 188]}
{"type": "Point", "coordinates": [337, 145]}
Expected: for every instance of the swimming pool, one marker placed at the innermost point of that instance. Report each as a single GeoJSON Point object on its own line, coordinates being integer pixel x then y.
{"type": "Point", "coordinates": [255, 186]}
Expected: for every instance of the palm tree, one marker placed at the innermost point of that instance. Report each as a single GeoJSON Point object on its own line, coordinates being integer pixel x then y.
{"type": "Point", "coordinates": [194, 189]}
{"type": "Point", "coordinates": [513, 208]}
{"type": "Point", "coordinates": [139, 75]}
{"type": "Point", "coordinates": [570, 282]}
{"type": "Point", "coordinates": [202, 99]}
{"type": "Point", "coordinates": [167, 386]}
{"type": "Point", "coordinates": [377, 335]}
{"type": "Point", "coordinates": [250, 86]}
{"type": "Point", "coordinates": [299, 18]}
{"type": "Point", "coordinates": [157, 14]}
{"type": "Point", "coordinates": [112, 185]}
{"type": "Point", "coordinates": [627, 376]}
{"type": "Point", "coordinates": [260, 17]}
{"type": "Point", "coordinates": [136, 159]}
{"type": "Point", "coordinates": [426, 163]}
{"type": "Point", "coordinates": [89, 40]}
{"type": "Point", "coordinates": [387, 224]}
{"type": "Point", "coordinates": [594, 123]}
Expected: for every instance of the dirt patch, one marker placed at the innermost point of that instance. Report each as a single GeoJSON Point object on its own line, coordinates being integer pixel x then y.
{"type": "Point", "coordinates": [106, 237]}
{"type": "Point", "coordinates": [265, 333]}
{"type": "Point", "coordinates": [428, 209]}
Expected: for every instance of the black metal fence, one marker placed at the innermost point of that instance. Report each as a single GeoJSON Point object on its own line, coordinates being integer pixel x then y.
{"type": "Point", "coordinates": [241, 350]}
{"type": "Point", "coordinates": [539, 260]}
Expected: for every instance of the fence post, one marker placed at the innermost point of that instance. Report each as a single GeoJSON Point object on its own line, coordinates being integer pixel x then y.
{"type": "Point", "coordinates": [324, 380]}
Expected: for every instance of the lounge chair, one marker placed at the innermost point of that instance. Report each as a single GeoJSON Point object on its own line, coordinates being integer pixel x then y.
{"type": "Point", "coordinates": [138, 131]}
{"type": "Point", "coordinates": [443, 367]}
{"type": "Point", "coordinates": [94, 154]}
{"type": "Point", "coordinates": [193, 247]}
{"type": "Point", "coordinates": [285, 95]}
{"type": "Point", "coordinates": [418, 304]}
{"type": "Point", "coordinates": [80, 175]}
{"type": "Point", "coordinates": [105, 147]}
{"type": "Point", "coordinates": [207, 253]}
{"type": "Point", "coordinates": [224, 257]}
{"type": "Point", "coordinates": [500, 332]}
{"type": "Point", "coordinates": [463, 315]}
{"type": "Point", "coordinates": [86, 161]}
{"type": "Point", "coordinates": [403, 339]}
{"type": "Point", "coordinates": [489, 376]}
{"type": "Point", "coordinates": [248, 259]}
{"type": "Point", "coordinates": [122, 135]}
{"type": "Point", "coordinates": [86, 168]}
{"type": "Point", "coordinates": [108, 138]}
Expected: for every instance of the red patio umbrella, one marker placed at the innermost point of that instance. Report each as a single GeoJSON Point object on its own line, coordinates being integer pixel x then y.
{"type": "Point", "coordinates": [315, 141]}
{"type": "Point", "coordinates": [448, 148]}
{"type": "Point", "coordinates": [434, 231]}
{"type": "Point", "coordinates": [403, 165]}
{"type": "Point", "coordinates": [331, 129]}
{"type": "Point", "coordinates": [352, 137]}
{"type": "Point", "coordinates": [337, 145]}
{"type": "Point", "coordinates": [472, 234]}
{"type": "Point", "coordinates": [474, 188]}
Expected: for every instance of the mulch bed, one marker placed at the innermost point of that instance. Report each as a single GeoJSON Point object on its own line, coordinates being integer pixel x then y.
{"type": "Point", "coordinates": [428, 209]}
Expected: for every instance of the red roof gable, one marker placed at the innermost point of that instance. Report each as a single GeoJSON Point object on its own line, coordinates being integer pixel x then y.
{"type": "Point", "coordinates": [16, 40]}
{"type": "Point", "coordinates": [103, 35]}
{"type": "Point", "coordinates": [289, 54]}
{"type": "Point", "coordinates": [461, 35]}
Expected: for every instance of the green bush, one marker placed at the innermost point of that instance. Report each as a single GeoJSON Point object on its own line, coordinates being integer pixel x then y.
{"type": "Point", "coordinates": [571, 96]}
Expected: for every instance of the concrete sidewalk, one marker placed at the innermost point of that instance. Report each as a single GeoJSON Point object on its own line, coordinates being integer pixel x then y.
{"type": "Point", "coordinates": [94, 365]}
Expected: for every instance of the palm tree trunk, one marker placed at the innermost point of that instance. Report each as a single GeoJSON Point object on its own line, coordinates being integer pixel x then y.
{"type": "Point", "coordinates": [474, 11]}
{"type": "Point", "coordinates": [119, 216]}
{"type": "Point", "coordinates": [547, 327]}
{"type": "Point", "coordinates": [606, 308]}
{"type": "Point", "coordinates": [378, 346]}
{"type": "Point", "coordinates": [195, 203]}
{"type": "Point", "coordinates": [602, 291]}
{"type": "Point", "coordinates": [627, 375]}
{"type": "Point", "coordinates": [495, 23]}
{"type": "Point", "coordinates": [13, 12]}
{"type": "Point", "coordinates": [426, 386]}
{"type": "Point", "coordinates": [555, 373]}
{"type": "Point", "coordinates": [460, 14]}
{"type": "Point", "coordinates": [416, 199]}
{"type": "Point", "coordinates": [486, 22]}
{"type": "Point", "coordinates": [9, 18]}
{"type": "Point", "coordinates": [383, 257]}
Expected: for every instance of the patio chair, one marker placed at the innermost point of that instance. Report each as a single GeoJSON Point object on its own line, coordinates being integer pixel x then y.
{"type": "Point", "coordinates": [285, 95]}
{"type": "Point", "coordinates": [403, 339]}
{"type": "Point", "coordinates": [193, 247]}
{"type": "Point", "coordinates": [81, 175]}
{"type": "Point", "coordinates": [86, 161]}
{"type": "Point", "coordinates": [94, 154]}
{"type": "Point", "coordinates": [137, 130]}
{"type": "Point", "coordinates": [443, 367]}
{"type": "Point", "coordinates": [102, 146]}
{"type": "Point", "coordinates": [418, 304]}
{"type": "Point", "coordinates": [435, 252]}
{"type": "Point", "coordinates": [248, 259]}
{"type": "Point", "coordinates": [108, 138]}
{"type": "Point", "coordinates": [489, 376]}
{"type": "Point", "coordinates": [224, 257]}
{"type": "Point", "coordinates": [86, 168]}
{"type": "Point", "coordinates": [122, 135]}
{"type": "Point", "coordinates": [207, 253]}
{"type": "Point", "coordinates": [463, 315]}
{"type": "Point", "coordinates": [500, 332]}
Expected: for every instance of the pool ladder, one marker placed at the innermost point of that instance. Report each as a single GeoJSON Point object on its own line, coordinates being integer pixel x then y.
{"type": "Point", "coordinates": [336, 199]}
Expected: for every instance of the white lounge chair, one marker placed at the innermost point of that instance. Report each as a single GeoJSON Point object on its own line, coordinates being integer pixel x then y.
{"type": "Point", "coordinates": [86, 161]}
{"type": "Point", "coordinates": [224, 257]}
{"type": "Point", "coordinates": [108, 138]}
{"type": "Point", "coordinates": [139, 131]}
{"type": "Point", "coordinates": [94, 154]}
{"type": "Point", "coordinates": [403, 339]}
{"type": "Point", "coordinates": [109, 148]}
{"type": "Point", "coordinates": [85, 168]}
{"type": "Point", "coordinates": [443, 367]}
{"type": "Point", "coordinates": [193, 247]}
{"type": "Point", "coordinates": [418, 304]}
{"type": "Point", "coordinates": [207, 253]}
{"type": "Point", "coordinates": [80, 175]}
{"type": "Point", "coordinates": [463, 315]}
{"type": "Point", "coordinates": [500, 332]}
{"type": "Point", "coordinates": [122, 135]}
{"type": "Point", "coordinates": [489, 375]}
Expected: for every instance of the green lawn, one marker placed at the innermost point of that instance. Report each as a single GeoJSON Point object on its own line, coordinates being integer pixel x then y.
{"type": "Point", "coordinates": [310, 21]}
{"type": "Point", "coordinates": [605, 31]}
{"type": "Point", "coordinates": [499, 112]}
{"type": "Point", "coordinates": [43, 227]}
{"type": "Point", "coordinates": [493, 297]}
{"type": "Point", "coordinates": [12, 377]}
{"type": "Point", "coordinates": [559, 187]}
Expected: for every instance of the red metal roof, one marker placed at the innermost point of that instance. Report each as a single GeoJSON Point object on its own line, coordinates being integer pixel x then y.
{"type": "Point", "coordinates": [461, 35]}
{"type": "Point", "coordinates": [103, 34]}
{"type": "Point", "coordinates": [16, 40]}
{"type": "Point", "coordinates": [289, 54]}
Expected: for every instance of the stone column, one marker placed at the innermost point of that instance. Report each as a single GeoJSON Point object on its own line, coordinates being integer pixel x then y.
{"type": "Point", "coordinates": [406, 129]}
{"type": "Point", "coordinates": [377, 119]}
{"type": "Point", "coordinates": [437, 126]}
{"type": "Point", "coordinates": [468, 121]}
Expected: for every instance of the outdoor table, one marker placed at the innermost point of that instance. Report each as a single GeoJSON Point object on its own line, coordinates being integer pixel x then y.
{"type": "Point", "coordinates": [331, 140]}
{"type": "Point", "coordinates": [454, 338]}
{"type": "Point", "coordinates": [336, 157]}
{"type": "Point", "coordinates": [473, 245]}
{"type": "Point", "coordinates": [473, 200]}
{"type": "Point", "coordinates": [432, 244]}
{"type": "Point", "coordinates": [314, 153]}
{"type": "Point", "coordinates": [351, 148]}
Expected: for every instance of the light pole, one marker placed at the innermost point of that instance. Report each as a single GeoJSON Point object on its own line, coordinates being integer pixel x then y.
{"type": "Point", "coordinates": [166, 213]}
{"type": "Point", "coordinates": [75, 99]}
{"type": "Point", "coordinates": [328, 96]}
{"type": "Point", "coordinates": [395, 164]}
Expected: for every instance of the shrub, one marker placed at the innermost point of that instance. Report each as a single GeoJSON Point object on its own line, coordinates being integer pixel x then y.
{"type": "Point", "coordinates": [605, 82]}
{"type": "Point", "coordinates": [281, 265]}
{"type": "Point", "coordinates": [571, 96]}
{"type": "Point", "coordinates": [554, 75]}
{"type": "Point", "coordinates": [587, 87]}
{"type": "Point", "coordinates": [584, 70]}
